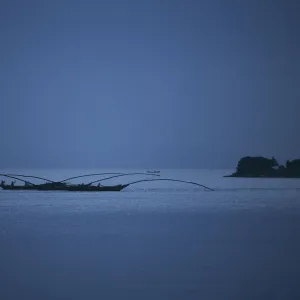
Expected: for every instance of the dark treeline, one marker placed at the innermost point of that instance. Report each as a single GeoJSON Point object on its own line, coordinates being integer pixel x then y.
{"type": "Point", "coordinates": [259, 166]}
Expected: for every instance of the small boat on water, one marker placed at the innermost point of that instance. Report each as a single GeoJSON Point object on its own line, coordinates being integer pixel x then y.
{"type": "Point", "coordinates": [153, 171]}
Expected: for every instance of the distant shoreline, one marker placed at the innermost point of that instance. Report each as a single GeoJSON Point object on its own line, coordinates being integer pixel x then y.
{"type": "Point", "coordinates": [261, 176]}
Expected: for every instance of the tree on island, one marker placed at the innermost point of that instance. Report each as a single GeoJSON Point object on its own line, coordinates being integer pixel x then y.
{"type": "Point", "coordinates": [256, 166]}
{"type": "Point", "coordinates": [293, 167]}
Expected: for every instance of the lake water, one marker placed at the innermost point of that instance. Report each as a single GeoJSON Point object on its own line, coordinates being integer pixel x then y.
{"type": "Point", "coordinates": [153, 240]}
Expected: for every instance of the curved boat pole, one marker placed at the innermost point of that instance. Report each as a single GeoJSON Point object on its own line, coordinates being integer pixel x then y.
{"type": "Point", "coordinates": [116, 174]}
{"type": "Point", "coordinates": [29, 176]}
{"type": "Point", "coordinates": [167, 179]}
{"type": "Point", "coordinates": [9, 176]}
{"type": "Point", "coordinates": [87, 175]}
{"type": "Point", "coordinates": [124, 174]}
{"type": "Point", "coordinates": [61, 181]}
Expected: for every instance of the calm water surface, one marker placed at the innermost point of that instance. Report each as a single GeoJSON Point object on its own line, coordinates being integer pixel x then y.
{"type": "Point", "coordinates": [153, 240]}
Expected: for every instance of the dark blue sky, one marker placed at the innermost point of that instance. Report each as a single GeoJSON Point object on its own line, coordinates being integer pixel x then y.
{"type": "Point", "coordinates": [148, 83]}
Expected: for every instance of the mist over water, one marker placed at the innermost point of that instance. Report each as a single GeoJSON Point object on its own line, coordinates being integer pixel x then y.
{"type": "Point", "coordinates": [155, 240]}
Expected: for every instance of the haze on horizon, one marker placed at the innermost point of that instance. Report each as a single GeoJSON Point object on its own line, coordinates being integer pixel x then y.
{"type": "Point", "coordinates": [188, 84]}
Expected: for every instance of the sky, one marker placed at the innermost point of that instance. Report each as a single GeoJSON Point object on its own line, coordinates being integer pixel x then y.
{"type": "Point", "coordinates": [158, 84]}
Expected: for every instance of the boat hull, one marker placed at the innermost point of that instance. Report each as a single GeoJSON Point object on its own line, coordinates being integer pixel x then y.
{"type": "Point", "coordinates": [112, 188]}
{"type": "Point", "coordinates": [75, 188]}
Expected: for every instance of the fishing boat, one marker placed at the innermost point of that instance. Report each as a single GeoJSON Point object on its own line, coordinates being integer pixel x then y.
{"type": "Point", "coordinates": [74, 188]}
{"type": "Point", "coordinates": [64, 185]}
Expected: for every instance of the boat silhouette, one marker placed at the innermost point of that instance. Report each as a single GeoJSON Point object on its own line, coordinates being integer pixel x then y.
{"type": "Point", "coordinates": [64, 185]}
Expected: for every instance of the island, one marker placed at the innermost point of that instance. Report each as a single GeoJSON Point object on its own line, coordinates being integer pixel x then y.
{"type": "Point", "coordinates": [258, 166]}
